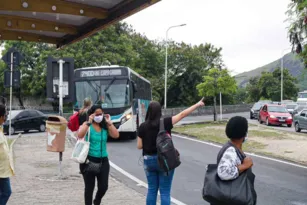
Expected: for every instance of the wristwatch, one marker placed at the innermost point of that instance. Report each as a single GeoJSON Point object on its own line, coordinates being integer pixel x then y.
{"type": "Point", "coordinates": [88, 123]}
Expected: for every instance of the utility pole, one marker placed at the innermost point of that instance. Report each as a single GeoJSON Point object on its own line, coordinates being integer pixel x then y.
{"type": "Point", "coordinates": [165, 77]}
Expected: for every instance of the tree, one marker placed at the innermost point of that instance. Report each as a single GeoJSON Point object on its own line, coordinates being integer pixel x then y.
{"type": "Point", "coordinates": [298, 27]}
{"type": "Point", "coordinates": [253, 90]}
{"type": "Point", "coordinates": [121, 45]}
{"type": "Point", "coordinates": [290, 87]}
{"type": "Point", "coordinates": [32, 68]}
{"type": "Point", "coordinates": [268, 86]}
{"type": "Point", "coordinates": [217, 80]}
{"type": "Point", "coordinates": [187, 65]}
{"type": "Point", "coordinates": [240, 96]}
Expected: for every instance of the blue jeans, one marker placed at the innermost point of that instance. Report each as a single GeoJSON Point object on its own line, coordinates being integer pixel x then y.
{"type": "Point", "coordinates": [5, 190]}
{"type": "Point", "coordinates": [157, 179]}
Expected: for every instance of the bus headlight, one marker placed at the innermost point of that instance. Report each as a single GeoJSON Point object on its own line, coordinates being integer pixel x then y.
{"type": "Point", "coordinates": [126, 118]}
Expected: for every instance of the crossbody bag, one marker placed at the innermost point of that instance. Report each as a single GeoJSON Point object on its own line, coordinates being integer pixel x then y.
{"type": "Point", "coordinates": [94, 167]}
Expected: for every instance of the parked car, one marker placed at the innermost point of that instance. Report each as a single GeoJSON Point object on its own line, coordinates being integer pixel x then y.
{"type": "Point", "coordinates": [291, 107]}
{"type": "Point", "coordinates": [300, 120]}
{"type": "Point", "coordinates": [254, 111]}
{"type": "Point", "coordinates": [25, 120]}
{"type": "Point", "coordinates": [287, 101]}
{"type": "Point", "coordinates": [299, 108]}
{"type": "Point", "coordinates": [265, 101]}
{"type": "Point", "coordinates": [273, 114]}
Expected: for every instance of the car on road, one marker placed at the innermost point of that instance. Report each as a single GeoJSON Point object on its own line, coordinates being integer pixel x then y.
{"type": "Point", "coordinates": [25, 120]}
{"type": "Point", "coordinates": [287, 101]}
{"type": "Point", "coordinates": [300, 120]}
{"type": "Point", "coordinates": [299, 108]}
{"type": "Point", "coordinates": [254, 111]}
{"type": "Point", "coordinates": [273, 114]}
{"type": "Point", "coordinates": [291, 107]}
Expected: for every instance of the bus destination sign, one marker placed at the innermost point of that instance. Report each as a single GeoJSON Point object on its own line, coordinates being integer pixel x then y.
{"type": "Point", "coordinates": [97, 73]}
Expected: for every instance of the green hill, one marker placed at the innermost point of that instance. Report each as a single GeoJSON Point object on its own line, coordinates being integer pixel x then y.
{"type": "Point", "coordinates": [291, 62]}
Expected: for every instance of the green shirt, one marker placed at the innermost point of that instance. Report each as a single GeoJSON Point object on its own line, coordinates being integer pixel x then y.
{"type": "Point", "coordinates": [98, 143]}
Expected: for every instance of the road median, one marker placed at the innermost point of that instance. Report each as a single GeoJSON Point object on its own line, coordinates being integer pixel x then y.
{"type": "Point", "coordinates": [268, 142]}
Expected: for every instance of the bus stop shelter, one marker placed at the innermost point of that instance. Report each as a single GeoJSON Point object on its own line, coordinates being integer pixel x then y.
{"type": "Point", "coordinates": [62, 22]}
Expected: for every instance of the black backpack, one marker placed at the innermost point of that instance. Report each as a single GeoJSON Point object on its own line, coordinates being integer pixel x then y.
{"type": "Point", "coordinates": [168, 156]}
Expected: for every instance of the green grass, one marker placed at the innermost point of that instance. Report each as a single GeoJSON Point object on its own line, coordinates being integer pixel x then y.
{"type": "Point", "coordinates": [214, 132]}
{"type": "Point", "coordinates": [209, 130]}
{"type": "Point", "coordinates": [272, 134]}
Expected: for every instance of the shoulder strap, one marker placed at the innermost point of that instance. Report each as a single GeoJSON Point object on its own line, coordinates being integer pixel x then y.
{"type": "Point", "coordinates": [225, 147]}
{"type": "Point", "coordinates": [102, 130]}
{"type": "Point", "coordinates": [88, 133]}
{"type": "Point", "coordinates": [162, 128]}
{"type": "Point", "coordinates": [221, 152]}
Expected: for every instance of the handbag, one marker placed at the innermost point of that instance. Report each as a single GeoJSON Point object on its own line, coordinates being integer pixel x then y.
{"type": "Point", "coordinates": [81, 149]}
{"type": "Point", "coordinates": [94, 167]}
{"type": "Point", "coordinates": [239, 191]}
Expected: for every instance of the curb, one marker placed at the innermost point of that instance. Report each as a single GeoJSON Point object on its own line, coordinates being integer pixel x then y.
{"type": "Point", "coordinates": [205, 122]}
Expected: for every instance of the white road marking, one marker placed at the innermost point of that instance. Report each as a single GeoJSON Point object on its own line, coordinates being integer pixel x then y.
{"type": "Point", "coordinates": [252, 154]}
{"type": "Point", "coordinates": [140, 182]}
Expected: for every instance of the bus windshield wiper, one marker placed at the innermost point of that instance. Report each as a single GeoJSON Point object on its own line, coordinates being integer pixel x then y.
{"type": "Point", "coordinates": [109, 97]}
{"type": "Point", "coordinates": [95, 89]}
{"type": "Point", "coordinates": [112, 81]}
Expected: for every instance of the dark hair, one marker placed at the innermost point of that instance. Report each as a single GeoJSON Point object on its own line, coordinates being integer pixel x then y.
{"type": "Point", "coordinates": [2, 110]}
{"type": "Point", "coordinates": [95, 107]}
{"type": "Point", "coordinates": [153, 114]}
{"type": "Point", "coordinates": [237, 127]}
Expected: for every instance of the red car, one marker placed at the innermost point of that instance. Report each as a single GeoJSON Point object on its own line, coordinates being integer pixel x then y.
{"type": "Point", "coordinates": [275, 115]}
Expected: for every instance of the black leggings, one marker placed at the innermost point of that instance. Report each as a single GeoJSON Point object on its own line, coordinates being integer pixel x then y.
{"type": "Point", "coordinates": [89, 181]}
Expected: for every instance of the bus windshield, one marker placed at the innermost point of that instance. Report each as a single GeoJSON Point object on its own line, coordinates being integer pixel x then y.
{"type": "Point", "coordinates": [112, 93]}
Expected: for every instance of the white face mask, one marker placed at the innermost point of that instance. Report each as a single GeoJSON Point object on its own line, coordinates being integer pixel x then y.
{"type": "Point", "coordinates": [98, 119]}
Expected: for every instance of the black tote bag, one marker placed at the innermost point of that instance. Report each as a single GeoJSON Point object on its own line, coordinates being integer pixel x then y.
{"type": "Point", "coordinates": [239, 191]}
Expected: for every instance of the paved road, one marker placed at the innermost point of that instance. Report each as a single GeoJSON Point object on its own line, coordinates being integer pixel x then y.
{"type": "Point", "coordinates": [276, 183]}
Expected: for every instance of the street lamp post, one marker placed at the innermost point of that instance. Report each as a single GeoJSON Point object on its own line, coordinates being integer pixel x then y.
{"type": "Point", "coordinates": [166, 45]}
{"type": "Point", "coordinates": [282, 74]}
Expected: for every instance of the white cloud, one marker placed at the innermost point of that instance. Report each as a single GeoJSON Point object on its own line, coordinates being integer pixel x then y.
{"type": "Point", "coordinates": [251, 33]}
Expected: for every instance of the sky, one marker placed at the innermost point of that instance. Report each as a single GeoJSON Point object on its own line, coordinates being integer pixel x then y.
{"type": "Point", "coordinates": [251, 33]}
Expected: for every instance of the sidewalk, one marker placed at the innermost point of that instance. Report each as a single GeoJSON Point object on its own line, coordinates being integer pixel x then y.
{"type": "Point", "coordinates": [37, 182]}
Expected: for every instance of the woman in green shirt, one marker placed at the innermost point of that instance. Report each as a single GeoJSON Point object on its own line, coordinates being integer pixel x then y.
{"type": "Point", "coordinates": [96, 130]}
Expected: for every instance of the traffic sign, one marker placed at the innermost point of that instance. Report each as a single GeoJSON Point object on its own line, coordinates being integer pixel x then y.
{"type": "Point", "coordinates": [17, 57]}
{"type": "Point", "coordinates": [16, 79]}
{"type": "Point", "coordinates": [53, 79]}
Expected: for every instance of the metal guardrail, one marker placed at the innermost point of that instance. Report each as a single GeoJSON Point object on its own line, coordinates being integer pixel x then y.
{"type": "Point", "coordinates": [206, 110]}
{"type": "Point", "coordinates": [209, 110]}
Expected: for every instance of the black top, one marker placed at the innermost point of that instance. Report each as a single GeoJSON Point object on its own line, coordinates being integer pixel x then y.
{"type": "Point", "coordinates": [149, 133]}
{"type": "Point", "coordinates": [82, 117]}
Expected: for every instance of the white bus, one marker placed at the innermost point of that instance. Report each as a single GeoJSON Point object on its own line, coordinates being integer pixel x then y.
{"type": "Point", "coordinates": [122, 93]}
